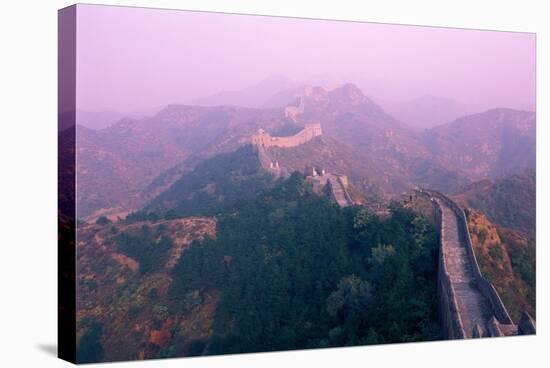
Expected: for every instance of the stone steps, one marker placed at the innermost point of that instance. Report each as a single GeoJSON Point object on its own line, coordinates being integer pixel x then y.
{"type": "Point", "coordinates": [339, 192]}
{"type": "Point", "coordinates": [473, 307]}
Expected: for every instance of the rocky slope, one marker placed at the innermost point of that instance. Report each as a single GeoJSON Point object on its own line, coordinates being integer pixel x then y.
{"type": "Point", "coordinates": [367, 174]}
{"type": "Point", "coordinates": [116, 164]}
{"type": "Point", "coordinates": [426, 111]}
{"type": "Point", "coordinates": [491, 144]}
{"type": "Point", "coordinates": [128, 164]}
{"type": "Point", "coordinates": [506, 258]}
{"type": "Point", "coordinates": [508, 202]}
{"type": "Point", "coordinates": [129, 303]}
{"type": "Point", "coordinates": [213, 184]}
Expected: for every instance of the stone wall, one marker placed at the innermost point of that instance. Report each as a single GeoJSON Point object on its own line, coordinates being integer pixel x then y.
{"type": "Point", "coordinates": [422, 201]}
{"type": "Point", "coordinates": [293, 111]}
{"type": "Point", "coordinates": [336, 184]}
{"type": "Point", "coordinates": [486, 288]}
{"type": "Point", "coordinates": [310, 131]}
{"type": "Point", "coordinates": [451, 324]}
{"type": "Point", "coordinates": [267, 163]}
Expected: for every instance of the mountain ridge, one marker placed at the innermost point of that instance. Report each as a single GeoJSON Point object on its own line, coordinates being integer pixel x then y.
{"type": "Point", "coordinates": [148, 155]}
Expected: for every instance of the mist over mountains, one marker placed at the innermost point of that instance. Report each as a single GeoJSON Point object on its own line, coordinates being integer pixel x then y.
{"type": "Point", "coordinates": [219, 211]}
{"type": "Point", "coordinates": [128, 163]}
{"type": "Point", "coordinates": [417, 109]}
{"type": "Point", "coordinates": [426, 111]}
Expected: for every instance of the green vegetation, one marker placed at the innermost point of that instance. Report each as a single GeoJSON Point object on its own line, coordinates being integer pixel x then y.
{"type": "Point", "coordinates": [496, 253]}
{"type": "Point", "coordinates": [508, 261]}
{"type": "Point", "coordinates": [214, 184]}
{"type": "Point", "coordinates": [139, 216]}
{"type": "Point", "coordinates": [102, 220]}
{"type": "Point", "coordinates": [482, 234]}
{"type": "Point", "coordinates": [509, 202]}
{"type": "Point", "coordinates": [89, 349]}
{"type": "Point", "coordinates": [148, 247]}
{"type": "Point", "coordinates": [485, 266]}
{"type": "Point", "coordinates": [524, 261]}
{"type": "Point", "coordinates": [296, 271]}
{"type": "Point", "coordinates": [523, 258]}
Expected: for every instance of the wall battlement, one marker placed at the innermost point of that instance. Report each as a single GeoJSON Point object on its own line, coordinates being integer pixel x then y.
{"type": "Point", "coordinates": [293, 111]}
{"type": "Point", "coordinates": [263, 138]}
{"type": "Point", "coordinates": [267, 163]}
{"type": "Point", "coordinates": [337, 185]}
{"type": "Point", "coordinates": [469, 305]}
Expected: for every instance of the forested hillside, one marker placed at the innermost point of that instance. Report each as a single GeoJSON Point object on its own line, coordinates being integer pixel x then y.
{"type": "Point", "coordinates": [296, 271]}
{"type": "Point", "coordinates": [214, 184]}
{"type": "Point", "coordinates": [287, 269]}
{"type": "Point", "coordinates": [507, 258]}
{"type": "Point", "coordinates": [509, 202]}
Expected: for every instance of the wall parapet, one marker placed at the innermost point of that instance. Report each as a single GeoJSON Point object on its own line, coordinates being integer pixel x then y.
{"type": "Point", "coordinates": [486, 288]}
{"type": "Point", "coordinates": [263, 138]}
{"type": "Point", "coordinates": [453, 327]}
{"type": "Point", "coordinates": [500, 323]}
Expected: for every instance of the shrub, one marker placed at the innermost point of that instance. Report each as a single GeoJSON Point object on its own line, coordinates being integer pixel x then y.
{"type": "Point", "coordinates": [103, 220]}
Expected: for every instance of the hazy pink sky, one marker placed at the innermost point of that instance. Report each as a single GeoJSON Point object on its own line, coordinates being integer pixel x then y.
{"type": "Point", "coordinates": [131, 59]}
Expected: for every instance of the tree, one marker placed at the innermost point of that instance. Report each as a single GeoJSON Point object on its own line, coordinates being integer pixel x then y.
{"type": "Point", "coordinates": [352, 296]}
{"type": "Point", "coordinates": [381, 253]}
{"type": "Point", "coordinates": [89, 349]}
{"type": "Point", "coordinates": [150, 248]}
{"type": "Point", "coordinates": [306, 273]}
{"type": "Point", "coordinates": [103, 220]}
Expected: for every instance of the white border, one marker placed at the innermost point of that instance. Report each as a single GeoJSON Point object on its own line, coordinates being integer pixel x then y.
{"type": "Point", "coordinates": [28, 133]}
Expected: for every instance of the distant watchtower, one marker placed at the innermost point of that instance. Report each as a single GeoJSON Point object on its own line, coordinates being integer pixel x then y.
{"type": "Point", "coordinates": [292, 111]}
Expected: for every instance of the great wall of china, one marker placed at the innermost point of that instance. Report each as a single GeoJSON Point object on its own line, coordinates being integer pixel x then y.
{"type": "Point", "coordinates": [310, 131]}
{"type": "Point", "coordinates": [469, 305]}
{"type": "Point", "coordinates": [337, 184]}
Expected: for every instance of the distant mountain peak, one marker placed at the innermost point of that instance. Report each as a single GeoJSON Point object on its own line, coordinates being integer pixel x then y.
{"type": "Point", "coordinates": [350, 88]}
{"type": "Point", "coordinates": [507, 110]}
{"type": "Point", "coordinates": [349, 93]}
{"type": "Point", "coordinates": [253, 96]}
{"type": "Point", "coordinates": [426, 111]}
{"type": "Point", "coordinates": [276, 78]}
{"type": "Point", "coordinates": [309, 91]}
